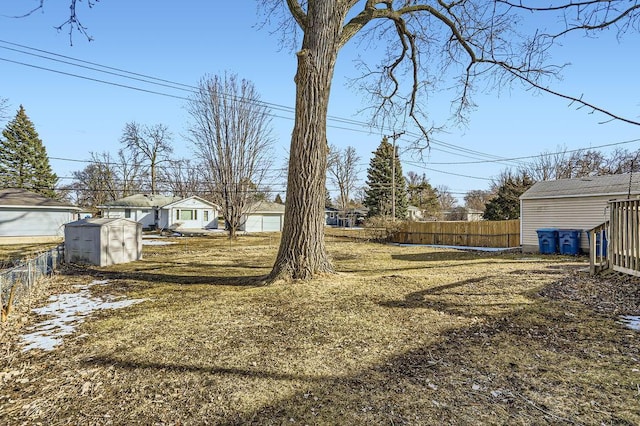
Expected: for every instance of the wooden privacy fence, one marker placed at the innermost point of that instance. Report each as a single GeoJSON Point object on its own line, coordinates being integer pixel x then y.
{"type": "Point", "coordinates": [624, 236]}
{"type": "Point", "coordinates": [500, 233]}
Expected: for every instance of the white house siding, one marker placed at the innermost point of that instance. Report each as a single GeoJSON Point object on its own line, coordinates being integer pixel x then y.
{"type": "Point", "coordinates": [33, 223]}
{"type": "Point", "coordinates": [190, 213]}
{"type": "Point", "coordinates": [143, 216]}
{"type": "Point", "coordinates": [577, 212]}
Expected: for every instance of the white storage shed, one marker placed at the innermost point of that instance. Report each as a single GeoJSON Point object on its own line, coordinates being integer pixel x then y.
{"type": "Point", "coordinates": [103, 242]}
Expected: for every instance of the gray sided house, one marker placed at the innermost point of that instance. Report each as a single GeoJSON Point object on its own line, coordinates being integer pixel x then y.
{"type": "Point", "coordinates": [264, 216]}
{"type": "Point", "coordinates": [141, 208]}
{"type": "Point", "coordinates": [580, 203]}
{"type": "Point", "coordinates": [164, 212]}
{"type": "Point", "coordinates": [27, 214]}
{"type": "Point", "coordinates": [103, 242]}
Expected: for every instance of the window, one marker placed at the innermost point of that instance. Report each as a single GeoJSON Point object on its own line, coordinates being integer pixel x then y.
{"type": "Point", "coordinates": [187, 215]}
{"type": "Point", "coordinates": [127, 213]}
{"type": "Point", "coordinates": [206, 215]}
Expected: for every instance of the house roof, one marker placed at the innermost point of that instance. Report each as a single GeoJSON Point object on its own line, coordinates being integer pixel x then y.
{"type": "Point", "coordinates": [266, 207]}
{"type": "Point", "coordinates": [193, 197]}
{"type": "Point", "coordinates": [20, 198]}
{"type": "Point", "coordinates": [612, 185]}
{"type": "Point", "coordinates": [141, 200]}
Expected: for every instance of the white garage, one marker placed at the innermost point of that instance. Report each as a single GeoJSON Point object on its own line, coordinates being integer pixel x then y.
{"type": "Point", "coordinates": [27, 215]}
{"type": "Point", "coordinates": [264, 217]}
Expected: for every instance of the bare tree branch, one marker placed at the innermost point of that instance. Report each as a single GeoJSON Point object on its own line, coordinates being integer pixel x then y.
{"type": "Point", "coordinates": [231, 132]}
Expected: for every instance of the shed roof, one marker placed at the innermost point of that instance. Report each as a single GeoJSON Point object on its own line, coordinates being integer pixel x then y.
{"type": "Point", "coordinates": [97, 222]}
{"type": "Point", "coordinates": [613, 185]}
{"type": "Point", "coordinates": [16, 197]}
{"type": "Point", "coordinates": [142, 200]}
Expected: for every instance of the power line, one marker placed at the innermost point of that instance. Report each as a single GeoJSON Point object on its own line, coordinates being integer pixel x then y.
{"type": "Point", "coordinates": [190, 88]}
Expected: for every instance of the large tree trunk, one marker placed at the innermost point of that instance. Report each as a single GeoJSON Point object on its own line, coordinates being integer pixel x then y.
{"type": "Point", "coordinates": [302, 253]}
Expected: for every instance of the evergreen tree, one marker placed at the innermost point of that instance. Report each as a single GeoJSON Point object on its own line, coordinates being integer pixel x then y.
{"type": "Point", "coordinates": [421, 194]}
{"type": "Point", "coordinates": [23, 158]}
{"type": "Point", "coordinates": [506, 204]}
{"type": "Point", "coordinates": [379, 194]}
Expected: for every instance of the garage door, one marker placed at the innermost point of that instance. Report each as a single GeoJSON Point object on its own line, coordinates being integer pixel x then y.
{"type": "Point", "coordinates": [253, 224]}
{"type": "Point", "coordinates": [271, 223]}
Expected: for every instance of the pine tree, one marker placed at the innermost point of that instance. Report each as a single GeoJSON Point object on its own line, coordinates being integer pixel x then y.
{"type": "Point", "coordinates": [506, 204]}
{"type": "Point", "coordinates": [23, 158]}
{"type": "Point", "coordinates": [380, 182]}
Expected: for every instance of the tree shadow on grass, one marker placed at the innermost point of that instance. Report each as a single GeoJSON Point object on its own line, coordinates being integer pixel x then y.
{"type": "Point", "coordinates": [155, 367]}
{"type": "Point", "coordinates": [512, 369]}
{"type": "Point", "coordinates": [157, 278]}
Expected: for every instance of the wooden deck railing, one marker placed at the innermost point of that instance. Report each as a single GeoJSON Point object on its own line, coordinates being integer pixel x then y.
{"type": "Point", "coordinates": [624, 238]}
{"type": "Point", "coordinates": [598, 247]}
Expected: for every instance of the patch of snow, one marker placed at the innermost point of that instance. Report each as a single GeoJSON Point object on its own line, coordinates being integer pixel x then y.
{"type": "Point", "coordinates": [157, 243]}
{"type": "Point", "coordinates": [632, 322]}
{"type": "Point", "coordinates": [66, 311]}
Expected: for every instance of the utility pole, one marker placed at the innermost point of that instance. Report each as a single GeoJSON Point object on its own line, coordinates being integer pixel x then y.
{"type": "Point", "coordinates": [393, 175]}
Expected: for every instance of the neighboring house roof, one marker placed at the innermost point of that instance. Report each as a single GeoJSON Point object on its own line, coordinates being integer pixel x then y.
{"type": "Point", "coordinates": [193, 197]}
{"type": "Point", "coordinates": [141, 200]}
{"type": "Point", "coordinates": [613, 185]}
{"type": "Point", "coordinates": [473, 211]}
{"type": "Point", "coordinates": [266, 207]}
{"type": "Point", "coordinates": [20, 198]}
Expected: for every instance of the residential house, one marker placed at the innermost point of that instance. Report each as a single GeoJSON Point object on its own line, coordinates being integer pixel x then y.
{"type": "Point", "coordinates": [164, 212]}
{"type": "Point", "coordinates": [28, 215]}
{"type": "Point", "coordinates": [576, 204]}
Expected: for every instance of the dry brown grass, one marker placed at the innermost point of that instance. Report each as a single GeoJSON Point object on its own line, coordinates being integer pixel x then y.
{"type": "Point", "coordinates": [401, 335]}
{"type": "Point", "coordinates": [11, 253]}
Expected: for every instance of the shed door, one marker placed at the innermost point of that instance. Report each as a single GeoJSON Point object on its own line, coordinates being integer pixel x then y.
{"type": "Point", "coordinates": [115, 252]}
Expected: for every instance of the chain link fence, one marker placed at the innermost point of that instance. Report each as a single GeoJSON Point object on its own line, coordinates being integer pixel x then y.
{"type": "Point", "coordinates": [17, 282]}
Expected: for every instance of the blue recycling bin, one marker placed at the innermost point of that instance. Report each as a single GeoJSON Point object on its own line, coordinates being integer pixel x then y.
{"type": "Point", "coordinates": [601, 246]}
{"type": "Point", "coordinates": [547, 240]}
{"type": "Point", "coordinates": [569, 241]}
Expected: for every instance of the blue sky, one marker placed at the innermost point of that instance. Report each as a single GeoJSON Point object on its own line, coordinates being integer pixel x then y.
{"type": "Point", "coordinates": [182, 41]}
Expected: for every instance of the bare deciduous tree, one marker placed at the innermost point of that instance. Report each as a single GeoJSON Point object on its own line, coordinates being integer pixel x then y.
{"type": "Point", "coordinates": [565, 164]}
{"type": "Point", "coordinates": [183, 178]}
{"type": "Point", "coordinates": [475, 41]}
{"type": "Point", "coordinates": [106, 179]}
{"type": "Point", "coordinates": [4, 107]}
{"type": "Point", "coordinates": [477, 199]}
{"type": "Point", "coordinates": [231, 132]}
{"type": "Point", "coordinates": [343, 173]}
{"type": "Point", "coordinates": [471, 39]}
{"type": "Point", "coordinates": [151, 142]}
{"type": "Point", "coordinates": [446, 199]}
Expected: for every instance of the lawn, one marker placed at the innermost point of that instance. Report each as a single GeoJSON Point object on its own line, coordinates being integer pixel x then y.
{"type": "Point", "coordinates": [400, 335]}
